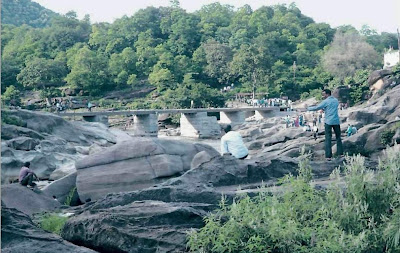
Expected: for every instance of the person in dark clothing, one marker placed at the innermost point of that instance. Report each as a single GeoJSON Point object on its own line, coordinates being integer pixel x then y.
{"type": "Point", "coordinates": [26, 175]}
{"type": "Point", "coordinates": [330, 107]}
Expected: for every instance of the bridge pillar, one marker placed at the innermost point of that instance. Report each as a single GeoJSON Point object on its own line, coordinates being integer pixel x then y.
{"type": "Point", "coordinates": [145, 125]}
{"type": "Point", "coordinates": [232, 118]}
{"type": "Point", "coordinates": [248, 114]}
{"type": "Point", "coordinates": [199, 125]}
{"type": "Point", "coordinates": [96, 118]}
{"type": "Point", "coordinates": [259, 115]}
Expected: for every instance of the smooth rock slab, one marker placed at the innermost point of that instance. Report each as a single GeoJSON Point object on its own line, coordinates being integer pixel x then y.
{"type": "Point", "coordinates": [20, 235]}
{"type": "Point", "coordinates": [138, 227]}
{"type": "Point", "coordinates": [133, 165]}
{"type": "Point", "coordinates": [25, 200]}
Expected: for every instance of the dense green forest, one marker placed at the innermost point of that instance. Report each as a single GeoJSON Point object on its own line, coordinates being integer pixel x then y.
{"type": "Point", "coordinates": [19, 12]}
{"type": "Point", "coordinates": [189, 56]}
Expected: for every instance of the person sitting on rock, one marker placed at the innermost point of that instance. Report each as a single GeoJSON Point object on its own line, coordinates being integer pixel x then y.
{"type": "Point", "coordinates": [232, 143]}
{"type": "Point", "coordinates": [27, 175]}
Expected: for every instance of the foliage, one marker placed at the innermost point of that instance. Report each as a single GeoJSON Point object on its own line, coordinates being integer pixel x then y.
{"type": "Point", "coordinates": [18, 12]}
{"type": "Point", "coordinates": [69, 197]}
{"type": "Point", "coordinates": [42, 73]}
{"type": "Point", "coordinates": [317, 93]}
{"type": "Point", "coordinates": [358, 85]}
{"type": "Point", "coordinates": [396, 71]}
{"type": "Point", "coordinates": [11, 96]}
{"type": "Point", "coordinates": [8, 118]}
{"type": "Point", "coordinates": [349, 53]}
{"type": "Point", "coordinates": [358, 212]}
{"type": "Point", "coordinates": [275, 49]}
{"type": "Point", "coordinates": [52, 222]}
{"type": "Point", "coordinates": [388, 134]}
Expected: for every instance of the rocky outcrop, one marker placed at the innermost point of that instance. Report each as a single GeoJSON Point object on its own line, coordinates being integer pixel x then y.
{"type": "Point", "coordinates": [26, 200]}
{"type": "Point", "coordinates": [135, 164]}
{"type": "Point", "coordinates": [368, 140]}
{"type": "Point", "coordinates": [20, 235]}
{"type": "Point", "coordinates": [377, 75]}
{"type": "Point", "coordinates": [62, 189]}
{"type": "Point", "coordinates": [156, 219]}
{"type": "Point", "coordinates": [141, 226]}
{"type": "Point", "coordinates": [23, 143]}
{"type": "Point", "coordinates": [46, 140]}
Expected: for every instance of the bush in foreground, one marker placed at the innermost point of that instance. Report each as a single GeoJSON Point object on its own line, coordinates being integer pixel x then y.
{"type": "Point", "coordinates": [52, 222]}
{"type": "Point", "coordinates": [358, 212]}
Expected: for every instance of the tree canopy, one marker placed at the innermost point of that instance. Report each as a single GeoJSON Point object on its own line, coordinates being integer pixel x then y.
{"type": "Point", "coordinates": [274, 49]}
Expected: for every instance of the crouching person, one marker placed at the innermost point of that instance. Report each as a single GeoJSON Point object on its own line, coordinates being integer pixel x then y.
{"type": "Point", "coordinates": [232, 143]}
{"type": "Point", "coordinates": [26, 175]}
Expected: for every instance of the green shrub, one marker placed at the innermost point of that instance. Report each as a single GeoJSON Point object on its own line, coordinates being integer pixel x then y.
{"type": "Point", "coordinates": [387, 136]}
{"type": "Point", "coordinates": [11, 96]}
{"type": "Point", "coordinates": [8, 118]}
{"type": "Point", "coordinates": [358, 212]}
{"type": "Point", "coordinates": [52, 222]}
{"type": "Point", "coordinates": [70, 196]}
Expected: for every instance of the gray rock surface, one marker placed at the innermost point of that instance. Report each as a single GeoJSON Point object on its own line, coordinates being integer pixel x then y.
{"type": "Point", "coordinates": [138, 227]}
{"type": "Point", "coordinates": [135, 164]}
{"type": "Point", "coordinates": [23, 143]}
{"type": "Point", "coordinates": [47, 141]}
{"type": "Point", "coordinates": [63, 171]}
{"type": "Point", "coordinates": [26, 200]}
{"type": "Point", "coordinates": [20, 235]}
{"type": "Point", "coordinates": [61, 188]}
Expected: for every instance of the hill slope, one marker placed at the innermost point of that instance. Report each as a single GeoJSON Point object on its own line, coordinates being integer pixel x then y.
{"type": "Point", "coordinates": [19, 12]}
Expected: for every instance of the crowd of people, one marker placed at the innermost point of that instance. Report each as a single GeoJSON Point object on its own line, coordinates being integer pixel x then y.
{"type": "Point", "coordinates": [64, 104]}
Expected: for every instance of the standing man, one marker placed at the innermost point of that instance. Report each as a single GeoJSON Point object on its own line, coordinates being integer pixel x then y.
{"type": "Point", "coordinates": [232, 143]}
{"type": "Point", "coordinates": [26, 175]}
{"type": "Point", "coordinates": [330, 107]}
{"type": "Point", "coordinates": [89, 106]}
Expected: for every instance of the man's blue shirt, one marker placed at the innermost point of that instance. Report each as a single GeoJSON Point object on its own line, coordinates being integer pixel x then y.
{"type": "Point", "coordinates": [330, 106]}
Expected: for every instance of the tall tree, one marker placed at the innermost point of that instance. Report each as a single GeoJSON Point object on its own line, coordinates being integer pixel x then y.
{"type": "Point", "coordinates": [89, 72]}
{"type": "Point", "coordinates": [348, 53]}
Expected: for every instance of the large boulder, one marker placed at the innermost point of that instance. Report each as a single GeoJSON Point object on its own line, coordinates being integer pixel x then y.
{"type": "Point", "coordinates": [368, 139]}
{"type": "Point", "coordinates": [135, 164]}
{"type": "Point", "coordinates": [378, 110]}
{"type": "Point", "coordinates": [43, 164]}
{"type": "Point", "coordinates": [377, 75]}
{"type": "Point", "coordinates": [9, 132]}
{"type": "Point", "coordinates": [47, 141]}
{"type": "Point", "coordinates": [62, 189]}
{"type": "Point", "coordinates": [26, 200]}
{"type": "Point", "coordinates": [20, 235]}
{"type": "Point", "coordinates": [63, 171]}
{"type": "Point", "coordinates": [23, 143]}
{"type": "Point", "coordinates": [138, 227]}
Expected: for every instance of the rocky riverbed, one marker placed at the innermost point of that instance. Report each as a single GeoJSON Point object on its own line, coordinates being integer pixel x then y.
{"type": "Point", "coordinates": [134, 194]}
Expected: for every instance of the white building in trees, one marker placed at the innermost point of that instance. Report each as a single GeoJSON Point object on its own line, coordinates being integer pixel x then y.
{"type": "Point", "coordinates": [391, 58]}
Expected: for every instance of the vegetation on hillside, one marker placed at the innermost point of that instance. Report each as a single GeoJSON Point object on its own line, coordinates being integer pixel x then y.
{"type": "Point", "coordinates": [358, 212]}
{"type": "Point", "coordinates": [190, 56]}
{"type": "Point", "coordinates": [19, 12]}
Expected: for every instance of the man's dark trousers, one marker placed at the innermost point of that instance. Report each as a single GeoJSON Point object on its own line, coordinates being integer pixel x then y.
{"type": "Point", "coordinates": [328, 140]}
{"type": "Point", "coordinates": [28, 180]}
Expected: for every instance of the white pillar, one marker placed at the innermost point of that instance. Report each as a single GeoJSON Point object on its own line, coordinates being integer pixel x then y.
{"type": "Point", "coordinates": [232, 118]}
{"type": "Point", "coordinates": [199, 125]}
{"type": "Point", "coordinates": [145, 125]}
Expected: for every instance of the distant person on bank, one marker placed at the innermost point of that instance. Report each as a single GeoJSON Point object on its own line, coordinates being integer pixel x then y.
{"type": "Point", "coordinates": [232, 143]}
{"type": "Point", "coordinates": [27, 175]}
{"type": "Point", "coordinates": [330, 107]}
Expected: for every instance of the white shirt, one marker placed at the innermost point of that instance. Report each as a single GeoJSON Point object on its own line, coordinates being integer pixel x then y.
{"type": "Point", "coordinates": [232, 142]}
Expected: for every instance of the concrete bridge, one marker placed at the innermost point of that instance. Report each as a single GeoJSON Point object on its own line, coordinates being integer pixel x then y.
{"type": "Point", "coordinates": [193, 122]}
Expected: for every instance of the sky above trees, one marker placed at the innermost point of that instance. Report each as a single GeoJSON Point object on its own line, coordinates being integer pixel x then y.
{"type": "Point", "coordinates": [379, 15]}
